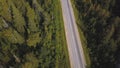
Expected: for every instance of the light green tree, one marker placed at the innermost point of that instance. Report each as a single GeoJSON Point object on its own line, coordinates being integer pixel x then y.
{"type": "Point", "coordinates": [31, 61]}
{"type": "Point", "coordinates": [5, 10]}
{"type": "Point", "coordinates": [32, 20]}
{"type": "Point", "coordinates": [18, 19]}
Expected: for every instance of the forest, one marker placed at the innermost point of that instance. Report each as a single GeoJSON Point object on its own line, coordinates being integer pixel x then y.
{"type": "Point", "coordinates": [32, 34]}
{"type": "Point", "coordinates": [100, 22]}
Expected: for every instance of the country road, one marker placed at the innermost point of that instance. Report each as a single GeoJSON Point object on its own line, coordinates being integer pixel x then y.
{"type": "Point", "coordinates": [75, 49]}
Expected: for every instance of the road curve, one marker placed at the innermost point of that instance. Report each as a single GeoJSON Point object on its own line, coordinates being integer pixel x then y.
{"type": "Point", "coordinates": [75, 49]}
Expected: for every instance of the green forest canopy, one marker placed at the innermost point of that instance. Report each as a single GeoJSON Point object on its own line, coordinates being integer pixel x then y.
{"type": "Point", "coordinates": [32, 34]}
{"type": "Point", "coordinates": [100, 22]}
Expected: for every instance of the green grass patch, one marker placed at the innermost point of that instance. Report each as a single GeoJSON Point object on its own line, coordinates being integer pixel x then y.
{"type": "Point", "coordinates": [61, 32]}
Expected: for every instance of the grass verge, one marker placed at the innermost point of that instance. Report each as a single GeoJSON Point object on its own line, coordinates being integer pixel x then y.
{"type": "Point", "coordinates": [60, 26]}
{"type": "Point", "coordinates": [82, 37]}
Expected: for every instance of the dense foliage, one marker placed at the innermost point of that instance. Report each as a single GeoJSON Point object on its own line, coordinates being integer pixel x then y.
{"type": "Point", "coordinates": [100, 22]}
{"type": "Point", "coordinates": [32, 34]}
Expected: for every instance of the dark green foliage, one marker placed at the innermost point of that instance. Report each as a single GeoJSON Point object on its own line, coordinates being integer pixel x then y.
{"type": "Point", "coordinates": [29, 36]}
{"type": "Point", "coordinates": [101, 27]}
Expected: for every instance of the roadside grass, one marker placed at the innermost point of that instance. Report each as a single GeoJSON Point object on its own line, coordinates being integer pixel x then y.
{"type": "Point", "coordinates": [61, 33]}
{"type": "Point", "coordinates": [82, 37]}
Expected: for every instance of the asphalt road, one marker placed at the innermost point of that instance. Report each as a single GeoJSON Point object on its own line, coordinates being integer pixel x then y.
{"type": "Point", "coordinates": [75, 49]}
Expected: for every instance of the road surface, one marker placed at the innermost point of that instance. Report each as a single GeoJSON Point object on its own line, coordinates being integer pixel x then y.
{"type": "Point", "coordinates": [75, 49]}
